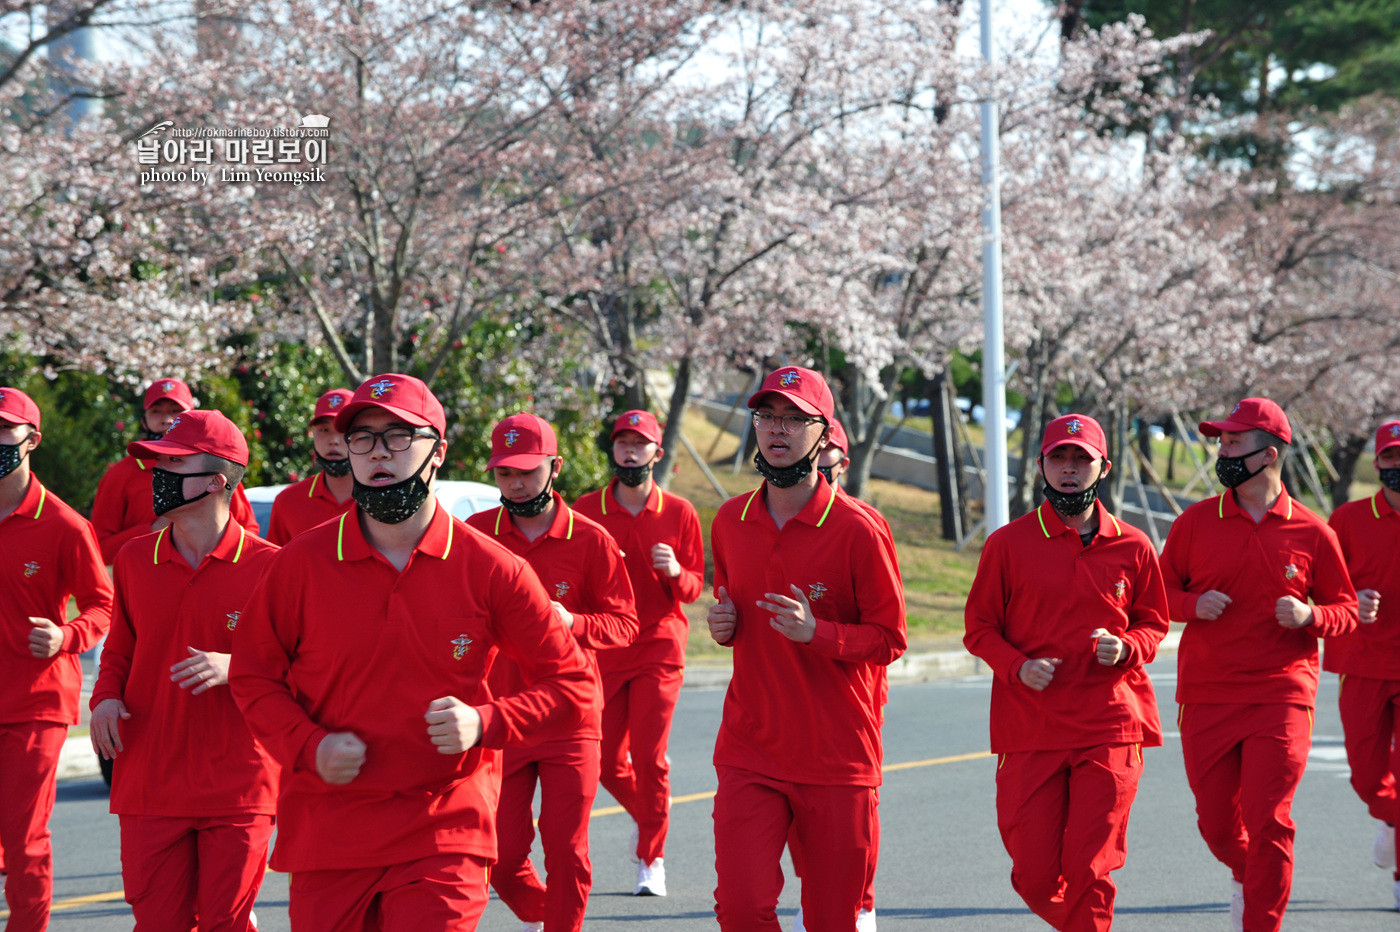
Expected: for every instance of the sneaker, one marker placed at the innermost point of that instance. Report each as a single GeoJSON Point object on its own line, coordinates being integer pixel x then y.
{"type": "Point", "coordinates": [865, 922]}
{"type": "Point", "coordinates": [1397, 896]}
{"type": "Point", "coordinates": [797, 925]}
{"type": "Point", "coordinates": [651, 879]}
{"type": "Point", "coordinates": [1237, 906]}
{"type": "Point", "coordinates": [636, 841]}
{"type": "Point", "coordinates": [1383, 852]}
{"type": "Point", "coordinates": [252, 919]}
{"type": "Point", "coordinates": [534, 927]}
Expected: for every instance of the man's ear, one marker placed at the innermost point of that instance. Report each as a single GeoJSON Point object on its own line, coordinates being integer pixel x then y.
{"type": "Point", "coordinates": [1107, 468]}
{"type": "Point", "coordinates": [558, 467]}
{"type": "Point", "coordinates": [34, 438]}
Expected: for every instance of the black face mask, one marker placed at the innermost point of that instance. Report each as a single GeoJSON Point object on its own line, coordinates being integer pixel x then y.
{"type": "Point", "coordinates": [531, 506]}
{"type": "Point", "coordinates": [827, 471]}
{"type": "Point", "coordinates": [631, 476]}
{"type": "Point", "coordinates": [1390, 478]}
{"type": "Point", "coordinates": [785, 477]}
{"type": "Point", "coordinates": [1232, 472]}
{"type": "Point", "coordinates": [10, 457]}
{"type": "Point", "coordinates": [335, 468]}
{"type": "Point", "coordinates": [1069, 504]}
{"type": "Point", "coordinates": [394, 504]}
{"type": "Point", "coordinates": [168, 489]}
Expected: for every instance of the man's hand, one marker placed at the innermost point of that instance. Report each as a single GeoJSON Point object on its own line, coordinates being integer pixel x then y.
{"type": "Point", "coordinates": [160, 524]}
{"type": "Point", "coordinates": [45, 638]}
{"type": "Point", "coordinates": [202, 670]}
{"type": "Point", "coordinates": [453, 726]}
{"type": "Point", "coordinates": [1211, 604]}
{"type": "Point", "coordinates": [102, 728]}
{"type": "Point", "coordinates": [563, 614]}
{"type": "Point", "coordinates": [663, 560]}
{"type": "Point", "coordinates": [339, 758]}
{"type": "Point", "coordinates": [1368, 604]}
{"type": "Point", "coordinates": [1037, 674]}
{"type": "Point", "coordinates": [1293, 614]}
{"type": "Point", "coordinates": [791, 617]}
{"type": "Point", "coordinates": [723, 618]}
{"type": "Point", "coordinates": [1110, 649]}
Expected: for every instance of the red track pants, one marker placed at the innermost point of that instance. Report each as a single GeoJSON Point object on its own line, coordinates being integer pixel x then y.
{"type": "Point", "coordinates": [1244, 763]}
{"type": "Point", "coordinates": [186, 873]}
{"type": "Point", "coordinates": [28, 771]}
{"type": "Point", "coordinates": [1063, 817]}
{"type": "Point", "coordinates": [636, 727]}
{"type": "Point", "coordinates": [567, 773]}
{"type": "Point", "coordinates": [1372, 730]}
{"type": "Point", "coordinates": [443, 893]}
{"type": "Point", "coordinates": [834, 825]}
{"type": "Point", "coordinates": [867, 900]}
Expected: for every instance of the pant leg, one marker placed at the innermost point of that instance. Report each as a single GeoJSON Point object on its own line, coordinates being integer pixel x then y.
{"type": "Point", "coordinates": [1368, 722]}
{"type": "Point", "coordinates": [444, 893]}
{"type": "Point", "coordinates": [867, 900]}
{"type": "Point", "coordinates": [1032, 807]}
{"type": "Point", "coordinates": [617, 775]}
{"type": "Point", "coordinates": [28, 779]}
{"type": "Point", "coordinates": [1103, 783]}
{"type": "Point", "coordinates": [1274, 757]}
{"type": "Point", "coordinates": [752, 815]}
{"type": "Point", "coordinates": [1211, 741]}
{"type": "Point", "coordinates": [160, 872]}
{"type": "Point", "coordinates": [232, 858]}
{"type": "Point", "coordinates": [651, 707]}
{"type": "Point", "coordinates": [568, 785]}
{"type": "Point", "coordinates": [335, 900]}
{"type": "Point", "coordinates": [514, 877]}
{"type": "Point", "coordinates": [837, 825]}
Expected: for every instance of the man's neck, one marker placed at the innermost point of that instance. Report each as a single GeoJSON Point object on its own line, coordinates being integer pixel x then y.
{"type": "Point", "coordinates": [196, 535]}
{"type": "Point", "coordinates": [539, 524]}
{"type": "Point", "coordinates": [342, 487]}
{"type": "Point", "coordinates": [1259, 494]}
{"type": "Point", "coordinates": [633, 498]}
{"type": "Point", "coordinates": [396, 542]}
{"type": "Point", "coordinates": [1083, 523]}
{"type": "Point", "coordinates": [1391, 496]}
{"type": "Point", "coordinates": [13, 489]}
{"type": "Point", "coordinates": [786, 504]}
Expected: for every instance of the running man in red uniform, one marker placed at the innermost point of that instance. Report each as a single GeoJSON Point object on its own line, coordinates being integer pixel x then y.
{"type": "Point", "coordinates": [361, 663]}
{"type": "Point", "coordinates": [659, 533]}
{"type": "Point", "coordinates": [581, 568]}
{"type": "Point", "coordinates": [1369, 658]}
{"type": "Point", "coordinates": [195, 792]}
{"type": "Point", "coordinates": [324, 494]}
{"type": "Point", "coordinates": [48, 554]}
{"type": "Point", "coordinates": [811, 603]}
{"type": "Point", "coordinates": [122, 508]}
{"type": "Point", "coordinates": [1240, 569]}
{"type": "Point", "coordinates": [1067, 608]}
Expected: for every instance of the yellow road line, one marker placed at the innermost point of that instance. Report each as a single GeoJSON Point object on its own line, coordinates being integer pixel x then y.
{"type": "Point", "coordinates": [76, 901]}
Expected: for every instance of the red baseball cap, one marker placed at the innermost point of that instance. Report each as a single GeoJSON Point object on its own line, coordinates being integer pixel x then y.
{"type": "Point", "coordinates": [1252, 414]}
{"type": "Point", "coordinates": [522, 441]}
{"type": "Point", "coordinates": [329, 404]}
{"type": "Point", "coordinates": [1387, 435]}
{"type": "Point", "coordinates": [643, 422]}
{"type": "Point", "coordinates": [18, 408]}
{"type": "Point", "coordinates": [401, 395]}
{"type": "Point", "coordinates": [838, 439]}
{"type": "Point", "coordinates": [1077, 430]}
{"type": "Point", "coordinates": [803, 387]}
{"type": "Point", "coordinates": [173, 389]}
{"type": "Point", "coordinates": [196, 432]}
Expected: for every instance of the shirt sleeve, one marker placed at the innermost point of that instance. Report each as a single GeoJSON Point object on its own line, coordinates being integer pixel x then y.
{"type": "Point", "coordinates": [721, 574]}
{"type": "Point", "coordinates": [879, 637]}
{"type": "Point", "coordinates": [277, 530]}
{"type": "Point", "coordinates": [119, 649]}
{"type": "Point", "coordinates": [1334, 597]}
{"type": "Point", "coordinates": [561, 686]}
{"type": "Point", "coordinates": [614, 623]}
{"type": "Point", "coordinates": [87, 579]}
{"type": "Point", "coordinates": [984, 618]}
{"type": "Point", "coordinates": [690, 554]}
{"type": "Point", "coordinates": [1176, 572]}
{"type": "Point", "coordinates": [1147, 616]}
{"type": "Point", "coordinates": [242, 511]}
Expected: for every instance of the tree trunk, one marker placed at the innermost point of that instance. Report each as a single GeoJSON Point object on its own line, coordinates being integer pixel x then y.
{"type": "Point", "coordinates": [1113, 492]}
{"type": "Point", "coordinates": [1346, 452]}
{"type": "Point", "coordinates": [1032, 425]}
{"type": "Point", "coordinates": [947, 451]}
{"type": "Point", "coordinates": [1144, 441]}
{"type": "Point", "coordinates": [675, 416]}
{"type": "Point", "coordinates": [862, 450]}
{"type": "Point", "coordinates": [386, 348]}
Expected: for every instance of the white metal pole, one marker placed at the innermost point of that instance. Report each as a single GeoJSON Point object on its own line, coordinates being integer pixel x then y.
{"type": "Point", "coordinates": [993, 351]}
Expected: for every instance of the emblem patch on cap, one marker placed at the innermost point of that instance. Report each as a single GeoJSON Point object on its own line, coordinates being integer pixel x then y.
{"type": "Point", "coordinates": [511, 436]}
{"type": "Point", "coordinates": [233, 619]}
{"type": "Point", "coordinates": [459, 646]}
{"type": "Point", "coordinates": [168, 387]}
{"type": "Point", "coordinates": [174, 424]}
{"type": "Point", "coordinates": [789, 378]}
{"type": "Point", "coordinates": [1236, 409]}
{"type": "Point", "coordinates": [816, 591]}
{"type": "Point", "coordinates": [1120, 589]}
{"type": "Point", "coordinates": [1395, 430]}
{"type": "Point", "coordinates": [335, 401]}
{"type": "Point", "coordinates": [1290, 571]}
{"type": "Point", "coordinates": [561, 590]}
{"type": "Point", "coordinates": [380, 389]}
{"type": "Point", "coordinates": [1074, 426]}
{"type": "Point", "coordinates": [634, 420]}
{"type": "Point", "coordinates": [30, 569]}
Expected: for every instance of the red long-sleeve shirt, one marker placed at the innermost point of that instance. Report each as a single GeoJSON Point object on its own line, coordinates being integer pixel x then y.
{"type": "Point", "coordinates": [666, 519]}
{"type": "Point", "coordinates": [1368, 532]}
{"type": "Point", "coordinates": [581, 568]}
{"type": "Point", "coordinates": [808, 713]}
{"type": "Point", "coordinates": [301, 506]}
{"type": "Point", "coordinates": [184, 755]}
{"type": "Point", "coordinates": [1245, 655]}
{"type": "Point", "coordinates": [882, 690]}
{"type": "Point", "coordinates": [1040, 593]}
{"type": "Point", "coordinates": [336, 639]}
{"type": "Point", "coordinates": [48, 554]}
{"type": "Point", "coordinates": [122, 509]}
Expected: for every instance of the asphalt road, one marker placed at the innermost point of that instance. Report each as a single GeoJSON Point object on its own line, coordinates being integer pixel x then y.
{"type": "Point", "coordinates": [942, 865]}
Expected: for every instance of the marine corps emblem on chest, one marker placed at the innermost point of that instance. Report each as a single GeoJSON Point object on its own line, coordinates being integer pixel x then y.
{"type": "Point", "coordinates": [1290, 571]}
{"type": "Point", "coordinates": [30, 569]}
{"type": "Point", "coordinates": [816, 591]}
{"type": "Point", "coordinates": [459, 646]}
{"type": "Point", "coordinates": [233, 619]}
{"type": "Point", "coordinates": [561, 590]}
{"type": "Point", "coordinates": [1120, 589]}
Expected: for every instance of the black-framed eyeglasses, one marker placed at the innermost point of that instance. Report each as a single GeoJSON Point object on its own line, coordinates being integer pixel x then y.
{"type": "Point", "coordinates": [788, 423]}
{"type": "Point", "coordinates": [396, 439]}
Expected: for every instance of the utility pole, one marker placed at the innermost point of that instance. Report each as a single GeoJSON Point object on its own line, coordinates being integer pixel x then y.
{"type": "Point", "coordinates": [993, 349]}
